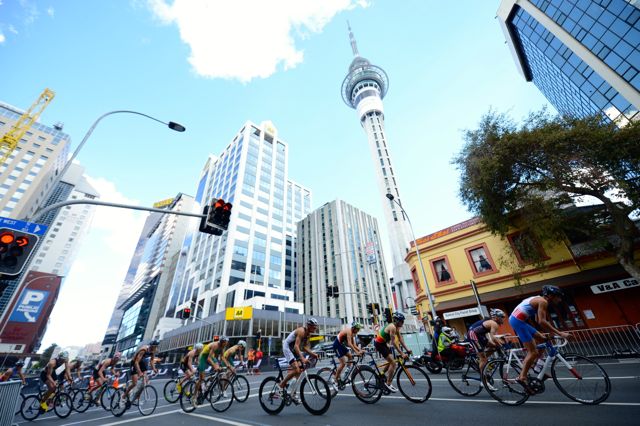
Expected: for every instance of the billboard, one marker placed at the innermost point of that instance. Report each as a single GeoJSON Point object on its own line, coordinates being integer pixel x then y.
{"type": "Point", "coordinates": [30, 311]}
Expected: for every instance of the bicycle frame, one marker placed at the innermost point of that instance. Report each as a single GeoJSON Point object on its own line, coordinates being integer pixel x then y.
{"type": "Point", "coordinates": [349, 367]}
{"type": "Point", "coordinates": [399, 366]}
{"type": "Point", "coordinates": [552, 353]}
{"type": "Point", "coordinates": [296, 385]}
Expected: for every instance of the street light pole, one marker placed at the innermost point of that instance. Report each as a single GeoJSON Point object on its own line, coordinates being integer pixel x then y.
{"type": "Point", "coordinates": [415, 243]}
{"type": "Point", "coordinates": [172, 125]}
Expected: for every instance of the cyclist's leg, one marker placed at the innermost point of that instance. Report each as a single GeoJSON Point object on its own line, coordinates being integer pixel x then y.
{"type": "Point", "coordinates": [295, 372]}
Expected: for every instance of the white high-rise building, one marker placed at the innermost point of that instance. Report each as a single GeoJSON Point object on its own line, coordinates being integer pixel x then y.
{"type": "Point", "coordinates": [339, 249]}
{"type": "Point", "coordinates": [69, 225]}
{"type": "Point", "coordinates": [253, 262]}
{"type": "Point", "coordinates": [363, 89]}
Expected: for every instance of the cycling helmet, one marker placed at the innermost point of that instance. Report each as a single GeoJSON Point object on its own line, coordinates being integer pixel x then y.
{"type": "Point", "coordinates": [312, 322]}
{"type": "Point", "coordinates": [19, 363]}
{"type": "Point", "coordinates": [551, 290]}
{"type": "Point", "coordinates": [356, 325]}
{"type": "Point", "coordinates": [242, 343]}
{"type": "Point", "coordinates": [154, 343]}
{"type": "Point", "coordinates": [398, 317]}
{"type": "Point", "coordinates": [448, 331]}
{"type": "Point", "coordinates": [198, 346]}
{"type": "Point", "coordinates": [117, 355]}
{"type": "Point", "coordinates": [497, 313]}
{"type": "Point", "coordinates": [224, 339]}
{"type": "Point", "coordinates": [63, 355]}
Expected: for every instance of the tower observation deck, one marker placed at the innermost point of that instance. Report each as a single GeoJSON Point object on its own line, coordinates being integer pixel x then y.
{"type": "Point", "coordinates": [363, 89]}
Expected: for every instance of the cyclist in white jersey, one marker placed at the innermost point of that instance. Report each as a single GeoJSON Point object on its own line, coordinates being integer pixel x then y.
{"type": "Point", "coordinates": [296, 342]}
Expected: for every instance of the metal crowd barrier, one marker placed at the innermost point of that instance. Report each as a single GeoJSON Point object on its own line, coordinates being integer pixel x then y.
{"type": "Point", "coordinates": [617, 341]}
{"type": "Point", "coordinates": [9, 396]}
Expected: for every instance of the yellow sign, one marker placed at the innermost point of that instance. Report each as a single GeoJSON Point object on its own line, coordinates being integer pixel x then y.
{"type": "Point", "coordinates": [163, 203]}
{"type": "Point", "coordinates": [242, 313]}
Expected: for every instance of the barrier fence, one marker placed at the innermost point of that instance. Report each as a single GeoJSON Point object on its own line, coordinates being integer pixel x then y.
{"type": "Point", "coordinates": [9, 395]}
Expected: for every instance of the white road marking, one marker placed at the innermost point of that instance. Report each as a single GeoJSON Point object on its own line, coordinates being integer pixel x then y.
{"type": "Point", "coordinates": [219, 420]}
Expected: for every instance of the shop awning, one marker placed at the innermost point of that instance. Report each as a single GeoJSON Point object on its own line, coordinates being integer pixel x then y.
{"type": "Point", "coordinates": [590, 277]}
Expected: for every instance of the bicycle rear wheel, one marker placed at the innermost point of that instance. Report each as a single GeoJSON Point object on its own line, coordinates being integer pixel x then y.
{"type": "Point", "coordinates": [30, 408]}
{"type": "Point", "coordinates": [499, 379]}
{"type": "Point", "coordinates": [62, 405]}
{"type": "Point", "coordinates": [413, 383]}
{"type": "Point", "coordinates": [105, 397]}
{"type": "Point", "coordinates": [147, 400]}
{"type": "Point", "coordinates": [240, 388]}
{"type": "Point", "coordinates": [315, 394]}
{"type": "Point", "coordinates": [81, 401]}
{"type": "Point", "coordinates": [365, 384]}
{"type": "Point", "coordinates": [327, 374]}
{"type": "Point", "coordinates": [270, 396]}
{"type": "Point", "coordinates": [464, 377]}
{"type": "Point", "coordinates": [170, 391]}
{"type": "Point", "coordinates": [221, 395]}
{"type": "Point", "coordinates": [583, 381]}
{"type": "Point", "coordinates": [118, 405]}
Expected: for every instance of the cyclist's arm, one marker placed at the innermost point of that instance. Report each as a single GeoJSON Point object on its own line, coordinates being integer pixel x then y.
{"type": "Point", "coordinates": [491, 335]}
{"type": "Point", "coordinates": [401, 341]}
{"type": "Point", "coordinates": [544, 322]}
{"type": "Point", "coordinates": [136, 363]}
{"type": "Point", "coordinates": [352, 343]}
{"type": "Point", "coordinates": [307, 349]}
{"type": "Point", "coordinates": [152, 362]}
{"type": "Point", "coordinates": [225, 360]}
{"type": "Point", "coordinates": [210, 359]}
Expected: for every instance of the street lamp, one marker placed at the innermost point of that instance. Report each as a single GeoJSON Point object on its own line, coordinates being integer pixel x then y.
{"type": "Point", "coordinates": [415, 243]}
{"type": "Point", "coordinates": [172, 125]}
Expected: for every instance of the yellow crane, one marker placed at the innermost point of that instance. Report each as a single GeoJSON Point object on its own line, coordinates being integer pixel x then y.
{"type": "Point", "coordinates": [10, 140]}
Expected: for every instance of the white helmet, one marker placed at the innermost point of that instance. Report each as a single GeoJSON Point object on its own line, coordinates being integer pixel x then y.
{"type": "Point", "coordinates": [63, 355]}
{"type": "Point", "coordinates": [242, 343]}
{"type": "Point", "coordinates": [448, 331]}
{"type": "Point", "coordinates": [198, 346]}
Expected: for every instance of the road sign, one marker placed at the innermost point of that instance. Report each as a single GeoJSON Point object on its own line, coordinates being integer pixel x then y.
{"type": "Point", "coordinates": [22, 226]}
{"type": "Point", "coordinates": [30, 306]}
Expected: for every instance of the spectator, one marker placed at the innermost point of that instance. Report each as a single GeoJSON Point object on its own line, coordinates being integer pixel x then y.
{"type": "Point", "coordinates": [444, 274]}
{"type": "Point", "coordinates": [251, 358]}
{"type": "Point", "coordinates": [258, 361]}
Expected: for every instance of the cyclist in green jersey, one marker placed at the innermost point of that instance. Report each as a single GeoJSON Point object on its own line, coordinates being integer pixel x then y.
{"type": "Point", "coordinates": [381, 343]}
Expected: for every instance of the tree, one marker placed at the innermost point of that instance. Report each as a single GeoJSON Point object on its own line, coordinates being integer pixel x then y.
{"type": "Point", "coordinates": [46, 355]}
{"type": "Point", "coordinates": [531, 175]}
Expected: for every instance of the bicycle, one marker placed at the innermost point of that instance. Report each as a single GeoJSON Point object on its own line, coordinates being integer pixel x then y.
{"type": "Point", "coordinates": [60, 402]}
{"type": "Point", "coordinates": [145, 397]}
{"type": "Point", "coordinates": [240, 386]}
{"type": "Point", "coordinates": [350, 374]}
{"type": "Point", "coordinates": [82, 400]}
{"type": "Point", "coordinates": [170, 390]}
{"type": "Point", "coordinates": [213, 389]}
{"type": "Point", "coordinates": [314, 392]}
{"type": "Point", "coordinates": [408, 377]}
{"type": "Point", "coordinates": [569, 371]}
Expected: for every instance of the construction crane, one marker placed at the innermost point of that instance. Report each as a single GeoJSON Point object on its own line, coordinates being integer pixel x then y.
{"type": "Point", "coordinates": [10, 140]}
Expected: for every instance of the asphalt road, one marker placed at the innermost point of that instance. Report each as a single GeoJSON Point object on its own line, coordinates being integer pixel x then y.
{"type": "Point", "coordinates": [445, 407]}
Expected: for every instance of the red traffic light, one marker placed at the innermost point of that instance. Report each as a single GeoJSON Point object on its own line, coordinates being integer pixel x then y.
{"type": "Point", "coordinates": [218, 204]}
{"type": "Point", "coordinates": [22, 241]}
{"type": "Point", "coordinates": [7, 238]}
{"type": "Point", "coordinates": [227, 207]}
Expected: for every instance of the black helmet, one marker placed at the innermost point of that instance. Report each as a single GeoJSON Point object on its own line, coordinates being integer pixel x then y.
{"type": "Point", "coordinates": [552, 290]}
{"type": "Point", "coordinates": [19, 363]}
{"type": "Point", "coordinates": [397, 316]}
{"type": "Point", "coordinates": [154, 343]}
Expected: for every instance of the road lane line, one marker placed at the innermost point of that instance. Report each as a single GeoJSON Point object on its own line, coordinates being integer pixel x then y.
{"type": "Point", "coordinates": [219, 420]}
{"type": "Point", "coordinates": [112, 417]}
{"type": "Point", "coordinates": [137, 418]}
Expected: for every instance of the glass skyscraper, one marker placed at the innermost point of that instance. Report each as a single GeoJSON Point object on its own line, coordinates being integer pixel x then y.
{"type": "Point", "coordinates": [583, 55]}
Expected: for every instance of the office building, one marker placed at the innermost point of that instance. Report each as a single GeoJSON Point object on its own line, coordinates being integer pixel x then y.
{"type": "Point", "coordinates": [339, 249]}
{"type": "Point", "coordinates": [363, 89]}
{"type": "Point", "coordinates": [583, 55]}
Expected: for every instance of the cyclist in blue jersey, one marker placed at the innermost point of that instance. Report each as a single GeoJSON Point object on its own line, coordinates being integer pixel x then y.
{"type": "Point", "coordinates": [482, 335]}
{"type": "Point", "coordinates": [534, 310]}
{"type": "Point", "coordinates": [13, 373]}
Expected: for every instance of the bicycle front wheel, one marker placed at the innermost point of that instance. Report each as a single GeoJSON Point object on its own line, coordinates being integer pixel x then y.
{"type": "Point", "coordinates": [30, 408]}
{"type": "Point", "coordinates": [221, 395]}
{"type": "Point", "coordinates": [413, 383]}
{"type": "Point", "coordinates": [581, 379]}
{"type": "Point", "coordinates": [499, 379]}
{"type": "Point", "coordinates": [62, 405]}
{"type": "Point", "coordinates": [270, 396]}
{"type": "Point", "coordinates": [315, 394]}
{"type": "Point", "coordinates": [118, 404]}
{"type": "Point", "coordinates": [241, 388]}
{"type": "Point", "coordinates": [147, 400]}
{"type": "Point", "coordinates": [105, 397]}
{"type": "Point", "coordinates": [81, 401]}
{"type": "Point", "coordinates": [365, 384]}
{"type": "Point", "coordinates": [170, 391]}
{"type": "Point", "coordinates": [188, 401]}
{"type": "Point", "coordinates": [465, 378]}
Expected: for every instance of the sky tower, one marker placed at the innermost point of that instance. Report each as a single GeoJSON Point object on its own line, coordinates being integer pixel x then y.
{"type": "Point", "coordinates": [363, 89]}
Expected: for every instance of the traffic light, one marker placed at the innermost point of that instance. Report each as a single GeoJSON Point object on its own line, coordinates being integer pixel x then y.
{"type": "Point", "coordinates": [207, 222]}
{"type": "Point", "coordinates": [370, 308]}
{"type": "Point", "coordinates": [336, 291]}
{"type": "Point", "coordinates": [387, 315]}
{"type": "Point", "coordinates": [15, 249]}
{"type": "Point", "coordinates": [221, 213]}
{"type": "Point", "coordinates": [330, 291]}
{"type": "Point", "coordinates": [186, 313]}
{"type": "Point", "coordinates": [376, 308]}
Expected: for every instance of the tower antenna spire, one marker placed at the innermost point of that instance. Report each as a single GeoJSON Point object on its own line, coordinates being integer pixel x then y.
{"type": "Point", "coordinates": [352, 39]}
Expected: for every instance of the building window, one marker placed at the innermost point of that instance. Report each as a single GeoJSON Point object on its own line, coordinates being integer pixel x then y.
{"type": "Point", "coordinates": [416, 281]}
{"type": "Point", "coordinates": [526, 248]}
{"type": "Point", "coordinates": [481, 261]}
{"type": "Point", "coordinates": [441, 269]}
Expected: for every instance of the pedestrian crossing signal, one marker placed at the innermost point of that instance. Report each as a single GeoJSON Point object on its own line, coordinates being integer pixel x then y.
{"type": "Point", "coordinates": [15, 249]}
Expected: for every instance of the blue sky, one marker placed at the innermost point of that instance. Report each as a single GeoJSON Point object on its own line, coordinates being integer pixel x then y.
{"type": "Point", "coordinates": [212, 65]}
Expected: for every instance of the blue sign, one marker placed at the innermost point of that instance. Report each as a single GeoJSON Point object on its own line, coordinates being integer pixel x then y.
{"type": "Point", "coordinates": [29, 306]}
{"type": "Point", "coordinates": [22, 226]}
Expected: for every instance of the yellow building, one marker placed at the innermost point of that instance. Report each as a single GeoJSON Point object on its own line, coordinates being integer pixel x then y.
{"type": "Point", "coordinates": [598, 291]}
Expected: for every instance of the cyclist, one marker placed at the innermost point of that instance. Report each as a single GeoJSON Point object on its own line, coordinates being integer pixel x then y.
{"type": "Point", "coordinates": [296, 342]}
{"type": "Point", "coordinates": [51, 373]}
{"type": "Point", "coordinates": [381, 343]}
{"type": "Point", "coordinates": [187, 364]}
{"type": "Point", "coordinates": [482, 335]}
{"type": "Point", "coordinates": [76, 365]}
{"type": "Point", "coordinates": [98, 373]}
{"type": "Point", "coordinates": [139, 365]}
{"type": "Point", "coordinates": [209, 357]}
{"type": "Point", "coordinates": [14, 372]}
{"type": "Point", "coordinates": [232, 352]}
{"type": "Point", "coordinates": [343, 341]}
{"type": "Point", "coordinates": [534, 309]}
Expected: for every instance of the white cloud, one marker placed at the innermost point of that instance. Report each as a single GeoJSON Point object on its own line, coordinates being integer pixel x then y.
{"type": "Point", "coordinates": [245, 39]}
{"type": "Point", "coordinates": [51, 12]}
{"type": "Point", "coordinates": [2, 38]}
{"type": "Point", "coordinates": [13, 29]}
{"type": "Point", "coordinates": [89, 292]}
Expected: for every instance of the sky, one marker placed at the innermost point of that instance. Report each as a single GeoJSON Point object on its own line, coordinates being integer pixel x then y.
{"type": "Point", "coordinates": [213, 65]}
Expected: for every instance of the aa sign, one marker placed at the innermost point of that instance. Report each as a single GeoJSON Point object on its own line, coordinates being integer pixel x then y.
{"type": "Point", "coordinates": [234, 314]}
